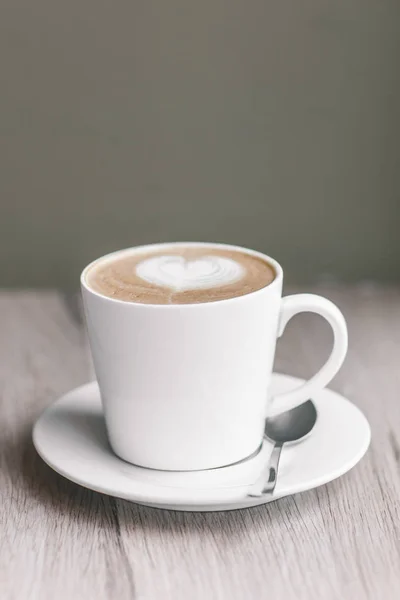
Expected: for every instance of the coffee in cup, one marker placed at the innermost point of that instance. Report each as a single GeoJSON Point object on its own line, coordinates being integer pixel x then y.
{"type": "Point", "coordinates": [179, 274]}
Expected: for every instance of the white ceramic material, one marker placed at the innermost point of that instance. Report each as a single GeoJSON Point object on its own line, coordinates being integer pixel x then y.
{"type": "Point", "coordinates": [71, 437]}
{"type": "Point", "coordinates": [172, 376]}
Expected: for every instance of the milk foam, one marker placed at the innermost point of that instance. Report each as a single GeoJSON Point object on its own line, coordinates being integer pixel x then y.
{"type": "Point", "coordinates": [180, 274]}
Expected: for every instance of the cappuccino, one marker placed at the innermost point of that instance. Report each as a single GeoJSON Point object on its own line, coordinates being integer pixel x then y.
{"type": "Point", "coordinates": [179, 274]}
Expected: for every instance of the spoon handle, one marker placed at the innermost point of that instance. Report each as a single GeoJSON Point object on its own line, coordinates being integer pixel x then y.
{"type": "Point", "coordinates": [266, 483]}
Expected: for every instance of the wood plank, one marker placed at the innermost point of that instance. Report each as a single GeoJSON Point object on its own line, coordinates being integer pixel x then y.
{"type": "Point", "coordinates": [57, 540]}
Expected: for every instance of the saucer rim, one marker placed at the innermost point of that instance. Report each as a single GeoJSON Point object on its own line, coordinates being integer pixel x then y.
{"type": "Point", "coordinates": [211, 502]}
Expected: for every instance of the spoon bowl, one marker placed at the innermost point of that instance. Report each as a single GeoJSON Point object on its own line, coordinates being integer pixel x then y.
{"type": "Point", "coordinates": [293, 424]}
{"type": "Point", "coordinates": [290, 426]}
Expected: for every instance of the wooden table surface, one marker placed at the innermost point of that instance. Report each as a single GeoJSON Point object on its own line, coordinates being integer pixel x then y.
{"type": "Point", "coordinates": [59, 541]}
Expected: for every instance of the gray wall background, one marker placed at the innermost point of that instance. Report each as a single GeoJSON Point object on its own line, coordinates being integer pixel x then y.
{"type": "Point", "coordinates": [268, 124]}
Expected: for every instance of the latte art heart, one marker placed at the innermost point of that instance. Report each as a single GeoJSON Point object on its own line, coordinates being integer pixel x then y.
{"type": "Point", "coordinates": [180, 274]}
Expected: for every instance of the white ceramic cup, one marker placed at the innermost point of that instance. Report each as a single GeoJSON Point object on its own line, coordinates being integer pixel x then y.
{"type": "Point", "coordinates": [185, 386]}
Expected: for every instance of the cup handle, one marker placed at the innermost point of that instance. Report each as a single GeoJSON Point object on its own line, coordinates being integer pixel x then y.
{"type": "Point", "coordinates": [292, 305]}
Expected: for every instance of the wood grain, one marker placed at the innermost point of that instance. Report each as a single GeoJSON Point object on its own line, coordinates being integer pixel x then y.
{"type": "Point", "coordinates": [60, 541]}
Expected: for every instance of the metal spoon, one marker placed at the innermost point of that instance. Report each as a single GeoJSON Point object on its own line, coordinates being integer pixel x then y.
{"type": "Point", "coordinates": [289, 426]}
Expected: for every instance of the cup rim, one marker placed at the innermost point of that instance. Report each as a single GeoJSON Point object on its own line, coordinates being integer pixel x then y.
{"type": "Point", "coordinates": [159, 245]}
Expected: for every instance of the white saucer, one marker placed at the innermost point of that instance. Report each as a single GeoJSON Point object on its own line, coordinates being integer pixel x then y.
{"type": "Point", "coordinates": [71, 438]}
